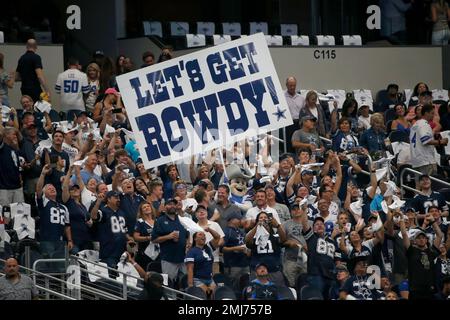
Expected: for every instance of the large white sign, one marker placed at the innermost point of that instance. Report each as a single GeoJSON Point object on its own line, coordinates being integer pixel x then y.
{"type": "Point", "coordinates": [204, 100]}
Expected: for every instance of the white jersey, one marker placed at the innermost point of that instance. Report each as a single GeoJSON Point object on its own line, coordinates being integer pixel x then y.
{"type": "Point", "coordinates": [421, 152]}
{"type": "Point", "coordinates": [71, 84]}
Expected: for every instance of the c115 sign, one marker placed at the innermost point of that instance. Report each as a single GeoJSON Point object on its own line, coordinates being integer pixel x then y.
{"type": "Point", "coordinates": [204, 100]}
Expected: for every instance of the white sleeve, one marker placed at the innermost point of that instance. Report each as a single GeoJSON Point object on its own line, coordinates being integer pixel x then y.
{"type": "Point", "coordinates": [216, 227]}
{"type": "Point", "coordinates": [369, 244]}
{"type": "Point", "coordinates": [58, 84]}
{"type": "Point", "coordinates": [424, 133]}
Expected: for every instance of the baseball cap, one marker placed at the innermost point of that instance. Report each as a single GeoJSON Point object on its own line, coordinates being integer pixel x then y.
{"type": "Point", "coordinates": [419, 232]}
{"type": "Point", "coordinates": [172, 200]}
{"type": "Point", "coordinates": [341, 268]}
{"type": "Point", "coordinates": [261, 264]}
{"type": "Point", "coordinates": [309, 117]}
{"type": "Point", "coordinates": [112, 193]}
{"type": "Point", "coordinates": [307, 171]}
{"type": "Point", "coordinates": [423, 176]}
{"type": "Point", "coordinates": [295, 205]}
{"type": "Point", "coordinates": [318, 218]}
{"type": "Point", "coordinates": [409, 209]}
{"type": "Point", "coordinates": [75, 186]}
{"type": "Point", "coordinates": [111, 91]}
{"type": "Point", "coordinates": [234, 215]}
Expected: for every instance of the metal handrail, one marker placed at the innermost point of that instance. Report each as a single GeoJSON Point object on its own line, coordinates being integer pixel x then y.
{"type": "Point", "coordinates": [88, 289]}
{"type": "Point", "coordinates": [402, 186]}
{"type": "Point", "coordinates": [46, 276]}
{"type": "Point", "coordinates": [131, 276]}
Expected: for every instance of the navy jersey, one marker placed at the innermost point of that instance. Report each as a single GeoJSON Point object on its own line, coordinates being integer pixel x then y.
{"type": "Point", "coordinates": [203, 261]}
{"type": "Point", "coordinates": [171, 251]}
{"type": "Point", "coordinates": [259, 291]}
{"type": "Point", "coordinates": [269, 254]}
{"type": "Point", "coordinates": [344, 142]}
{"type": "Point", "coordinates": [9, 173]}
{"type": "Point", "coordinates": [78, 217]}
{"type": "Point", "coordinates": [441, 270]}
{"type": "Point", "coordinates": [144, 229]}
{"type": "Point", "coordinates": [321, 255]}
{"type": "Point", "coordinates": [360, 288]}
{"type": "Point", "coordinates": [64, 155]}
{"type": "Point", "coordinates": [234, 237]}
{"type": "Point", "coordinates": [421, 202]}
{"type": "Point", "coordinates": [129, 204]}
{"type": "Point", "coordinates": [111, 233]}
{"type": "Point", "coordinates": [53, 217]}
{"type": "Point", "coordinates": [280, 189]}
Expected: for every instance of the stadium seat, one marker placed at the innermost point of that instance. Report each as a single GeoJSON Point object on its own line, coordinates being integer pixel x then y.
{"type": "Point", "coordinates": [288, 30]}
{"type": "Point", "coordinates": [206, 28]}
{"type": "Point", "coordinates": [219, 39]}
{"type": "Point", "coordinates": [244, 281]}
{"type": "Point", "coordinates": [222, 280]}
{"type": "Point", "coordinates": [183, 284]}
{"type": "Point", "coordinates": [231, 28]}
{"type": "Point", "coordinates": [153, 28]}
{"type": "Point", "coordinates": [274, 40]}
{"type": "Point", "coordinates": [256, 27]}
{"type": "Point", "coordinates": [310, 293]}
{"type": "Point", "coordinates": [299, 41]}
{"type": "Point", "coordinates": [43, 37]}
{"type": "Point", "coordinates": [285, 293]}
{"type": "Point", "coordinates": [339, 96]}
{"type": "Point", "coordinates": [195, 40]}
{"type": "Point", "coordinates": [325, 40]}
{"type": "Point", "coordinates": [178, 28]}
{"type": "Point", "coordinates": [440, 95]}
{"type": "Point", "coordinates": [197, 292]}
{"type": "Point", "coordinates": [301, 282]}
{"type": "Point", "coordinates": [224, 293]}
{"type": "Point", "coordinates": [363, 97]}
{"type": "Point", "coordinates": [354, 40]}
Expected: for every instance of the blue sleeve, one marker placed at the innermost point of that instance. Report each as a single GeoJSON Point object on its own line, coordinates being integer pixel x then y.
{"type": "Point", "coordinates": [157, 232]}
{"type": "Point", "coordinates": [190, 256]}
{"type": "Point", "coordinates": [403, 286]}
{"type": "Point", "coordinates": [347, 286]}
{"type": "Point", "coordinates": [137, 227]}
{"type": "Point", "coordinates": [363, 140]}
{"type": "Point", "coordinates": [336, 143]}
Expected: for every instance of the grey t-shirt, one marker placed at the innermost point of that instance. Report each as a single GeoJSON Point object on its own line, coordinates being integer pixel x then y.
{"type": "Point", "coordinates": [24, 289]}
{"type": "Point", "coordinates": [224, 212]}
{"type": "Point", "coordinates": [306, 137]}
{"type": "Point", "coordinates": [283, 212]}
{"type": "Point", "coordinates": [293, 231]}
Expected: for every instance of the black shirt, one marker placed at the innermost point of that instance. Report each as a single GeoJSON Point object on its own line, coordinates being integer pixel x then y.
{"type": "Point", "coordinates": [28, 63]}
{"type": "Point", "coordinates": [420, 267]}
{"type": "Point", "coordinates": [9, 172]}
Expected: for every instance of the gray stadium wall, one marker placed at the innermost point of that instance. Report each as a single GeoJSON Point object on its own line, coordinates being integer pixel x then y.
{"type": "Point", "coordinates": [357, 67]}
{"type": "Point", "coordinates": [52, 61]}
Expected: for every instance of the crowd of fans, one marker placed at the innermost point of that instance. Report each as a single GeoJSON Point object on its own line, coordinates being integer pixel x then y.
{"type": "Point", "coordinates": [326, 218]}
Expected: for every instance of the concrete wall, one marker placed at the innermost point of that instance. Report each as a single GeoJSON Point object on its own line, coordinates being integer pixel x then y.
{"type": "Point", "coordinates": [52, 61]}
{"type": "Point", "coordinates": [357, 67]}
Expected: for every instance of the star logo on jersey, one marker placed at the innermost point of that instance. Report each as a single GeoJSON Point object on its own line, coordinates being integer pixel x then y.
{"type": "Point", "coordinates": [240, 239]}
{"type": "Point", "coordinates": [280, 113]}
{"type": "Point", "coordinates": [267, 293]}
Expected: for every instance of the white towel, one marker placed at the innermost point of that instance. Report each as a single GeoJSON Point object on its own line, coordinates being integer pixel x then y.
{"type": "Point", "coordinates": [261, 236]}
